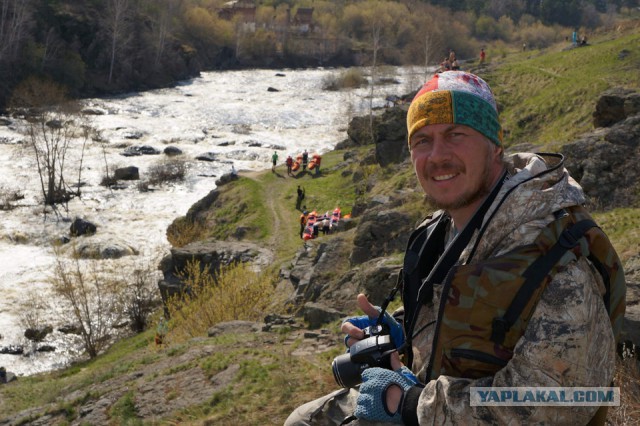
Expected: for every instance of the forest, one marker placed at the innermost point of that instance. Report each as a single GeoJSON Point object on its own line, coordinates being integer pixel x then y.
{"type": "Point", "coordinates": [100, 47]}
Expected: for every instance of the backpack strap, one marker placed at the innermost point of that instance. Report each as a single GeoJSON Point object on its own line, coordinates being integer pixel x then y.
{"type": "Point", "coordinates": [536, 273]}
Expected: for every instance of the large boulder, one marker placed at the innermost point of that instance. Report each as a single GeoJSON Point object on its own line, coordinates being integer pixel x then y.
{"type": "Point", "coordinates": [391, 137]}
{"type": "Point", "coordinates": [615, 105]}
{"type": "Point", "coordinates": [605, 163]}
{"type": "Point", "coordinates": [106, 246]}
{"type": "Point", "coordinates": [380, 233]}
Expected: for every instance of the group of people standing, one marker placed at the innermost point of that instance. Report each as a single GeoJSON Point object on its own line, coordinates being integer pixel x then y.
{"type": "Point", "coordinates": [301, 160]}
{"type": "Point", "coordinates": [311, 224]}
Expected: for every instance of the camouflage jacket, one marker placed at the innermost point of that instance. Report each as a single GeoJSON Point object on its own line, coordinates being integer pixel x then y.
{"type": "Point", "coordinates": [568, 340]}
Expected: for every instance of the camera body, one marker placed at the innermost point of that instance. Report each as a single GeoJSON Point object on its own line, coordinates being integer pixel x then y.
{"type": "Point", "coordinates": [373, 350]}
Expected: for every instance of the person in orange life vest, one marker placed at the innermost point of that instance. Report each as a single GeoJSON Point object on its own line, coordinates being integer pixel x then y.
{"type": "Point", "coordinates": [303, 221]}
{"type": "Point", "coordinates": [317, 159]}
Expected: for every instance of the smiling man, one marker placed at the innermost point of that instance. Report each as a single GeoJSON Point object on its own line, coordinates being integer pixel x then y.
{"type": "Point", "coordinates": [509, 285]}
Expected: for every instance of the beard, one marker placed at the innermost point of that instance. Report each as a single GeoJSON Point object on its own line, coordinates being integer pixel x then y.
{"type": "Point", "coordinates": [479, 192]}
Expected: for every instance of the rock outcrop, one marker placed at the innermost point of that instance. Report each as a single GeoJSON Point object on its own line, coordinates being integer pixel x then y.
{"type": "Point", "coordinates": [209, 255]}
{"type": "Point", "coordinates": [605, 161]}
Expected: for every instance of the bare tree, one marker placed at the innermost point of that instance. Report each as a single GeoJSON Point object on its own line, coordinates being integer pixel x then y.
{"type": "Point", "coordinates": [54, 122]}
{"type": "Point", "coordinates": [432, 45]}
{"type": "Point", "coordinates": [118, 29]}
{"type": "Point", "coordinates": [15, 16]}
{"type": "Point", "coordinates": [90, 296]}
{"type": "Point", "coordinates": [161, 19]}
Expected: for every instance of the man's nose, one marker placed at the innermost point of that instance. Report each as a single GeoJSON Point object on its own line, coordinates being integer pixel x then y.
{"type": "Point", "coordinates": [440, 149]}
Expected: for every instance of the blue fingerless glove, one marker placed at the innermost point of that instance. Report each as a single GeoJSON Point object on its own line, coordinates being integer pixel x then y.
{"type": "Point", "coordinates": [395, 329]}
{"type": "Point", "coordinates": [372, 401]}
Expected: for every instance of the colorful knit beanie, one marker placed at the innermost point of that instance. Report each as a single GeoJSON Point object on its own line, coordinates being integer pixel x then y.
{"type": "Point", "coordinates": [456, 97]}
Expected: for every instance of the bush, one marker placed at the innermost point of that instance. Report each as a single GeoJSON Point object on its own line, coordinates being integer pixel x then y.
{"type": "Point", "coordinates": [8, 196]}
{"type": "Point", "coordinates": [349, 79]}
{"type": "Point", "coordinates": [171, 170]}
{"type": "Point", "coordinates": [236, 292]}
{"type": "Point", "coordinates": [184, 231]}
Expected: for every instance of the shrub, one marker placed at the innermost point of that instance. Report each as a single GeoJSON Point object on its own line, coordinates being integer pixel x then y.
{"type": "Point", "coordinates": [170, 170]}
{"type": "Point", "coordinates": [348, 79]}
{"type": "Point", "coordinates": [184, 231]}
{"type": "Point", "coordinates": [236, 292]}
{"type": "Point", "coordinates": [8, 196]}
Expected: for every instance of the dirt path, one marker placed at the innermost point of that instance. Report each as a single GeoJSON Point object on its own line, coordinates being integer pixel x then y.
{"type": "Point", "coordinates": [272, 193]}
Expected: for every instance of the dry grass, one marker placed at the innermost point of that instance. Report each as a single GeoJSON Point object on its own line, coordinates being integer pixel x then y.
{"type": "Point", "coordinates": [184, 231]}
{"type": "Point", "coordinates": [627, 377]}
{"type": "Point", "coordinates": [236, 292]}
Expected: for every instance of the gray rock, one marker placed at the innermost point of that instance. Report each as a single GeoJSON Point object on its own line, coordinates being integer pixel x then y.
{"type": "Point", "coordinates": [610, 107]}
{"type": "Point", "coordinates": [136, 150]}
{"type": "Point", "coordinates": [82, 227]}
{"type": "Point", "coordinates": [317, 314]}
{"type": "Point", "coordinates": [126, 173]}
{"type": "Point", "coordinates": [172, 150]}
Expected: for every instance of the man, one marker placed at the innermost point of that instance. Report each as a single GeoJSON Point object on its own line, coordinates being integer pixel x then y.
{"type": "Point", "coordinates": [289, 164]}
{"type": "Point", "coordinates": [490, 207]}
{"type": "Point", "coordinates": [299, 197]}
{"type": "Point", "coordinates": [274, 161]}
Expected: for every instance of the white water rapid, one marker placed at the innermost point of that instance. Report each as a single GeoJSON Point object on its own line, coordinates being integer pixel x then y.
{"type": "Point", "coordinates": [219, 112]}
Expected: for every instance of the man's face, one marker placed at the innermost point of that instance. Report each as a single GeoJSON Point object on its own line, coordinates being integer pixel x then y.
{"type": "Point", "coordinates": [456, 166]}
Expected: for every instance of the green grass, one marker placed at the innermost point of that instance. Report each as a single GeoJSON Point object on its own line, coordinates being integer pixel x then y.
{"type": "Point", "coordinates": [622, 226]}
{"type": "Point", "coordinates": [549, 99]}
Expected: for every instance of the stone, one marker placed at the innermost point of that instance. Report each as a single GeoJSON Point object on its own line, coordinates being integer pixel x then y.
{"type": "Point", "coordinates": [126, 173]}
{"type": "Point", "coordinates": [82, 227]}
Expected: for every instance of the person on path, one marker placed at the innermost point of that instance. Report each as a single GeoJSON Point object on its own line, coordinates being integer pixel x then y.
{"type": "Point", "coordinates": [289, 164]}
{"type": "Point", "coordinates": [483, 56]}
{"type": "Point", "coordinates": [274, 161]}
{"type": "Point", "coordinates": [455, 326]}
{"type": "Point", "coordinates": [317, 159]}
{"type": "Point", "coordinates": [299, 197]}
{"type": "Point", "coordinates": [303, 221]}
{"type": "Point", "coordinates": [305, 160]}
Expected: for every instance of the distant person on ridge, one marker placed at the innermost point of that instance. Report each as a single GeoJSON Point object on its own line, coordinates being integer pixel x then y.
{"type": "Point", "coordinates": [507, 225]}
{"type": "Point", "coordinates": [483, 56]}
{"type": "Point", "coordinates": [274, 160]}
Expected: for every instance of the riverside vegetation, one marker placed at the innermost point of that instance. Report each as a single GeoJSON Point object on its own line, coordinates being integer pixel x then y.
{"type": "Point", "coordinates": [244, 373]}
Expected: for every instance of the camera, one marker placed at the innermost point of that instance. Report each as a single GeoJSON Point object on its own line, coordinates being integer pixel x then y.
{"type": "Point", "coordinates": [372, 351]}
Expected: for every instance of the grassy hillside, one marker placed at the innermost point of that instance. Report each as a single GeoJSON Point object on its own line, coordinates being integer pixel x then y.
{"type": "Point", "coordinates": [547, 98]}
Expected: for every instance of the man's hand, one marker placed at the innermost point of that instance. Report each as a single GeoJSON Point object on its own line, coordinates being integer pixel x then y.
{"type": "Point", "coordinates": [381, 393]}
{"type": "Point", "coordinates": [353, 326]}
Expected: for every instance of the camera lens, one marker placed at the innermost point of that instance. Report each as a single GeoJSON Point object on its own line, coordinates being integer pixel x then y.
{"type": "Point", "coordinates": [346, 373]}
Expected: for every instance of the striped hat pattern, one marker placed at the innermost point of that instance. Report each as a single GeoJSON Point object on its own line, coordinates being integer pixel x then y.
{"type": "Point", "coordinates": [456, 97]}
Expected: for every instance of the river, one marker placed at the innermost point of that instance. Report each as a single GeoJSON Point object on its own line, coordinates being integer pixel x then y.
{"type": "Point", "coordinates": [232, 114]}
